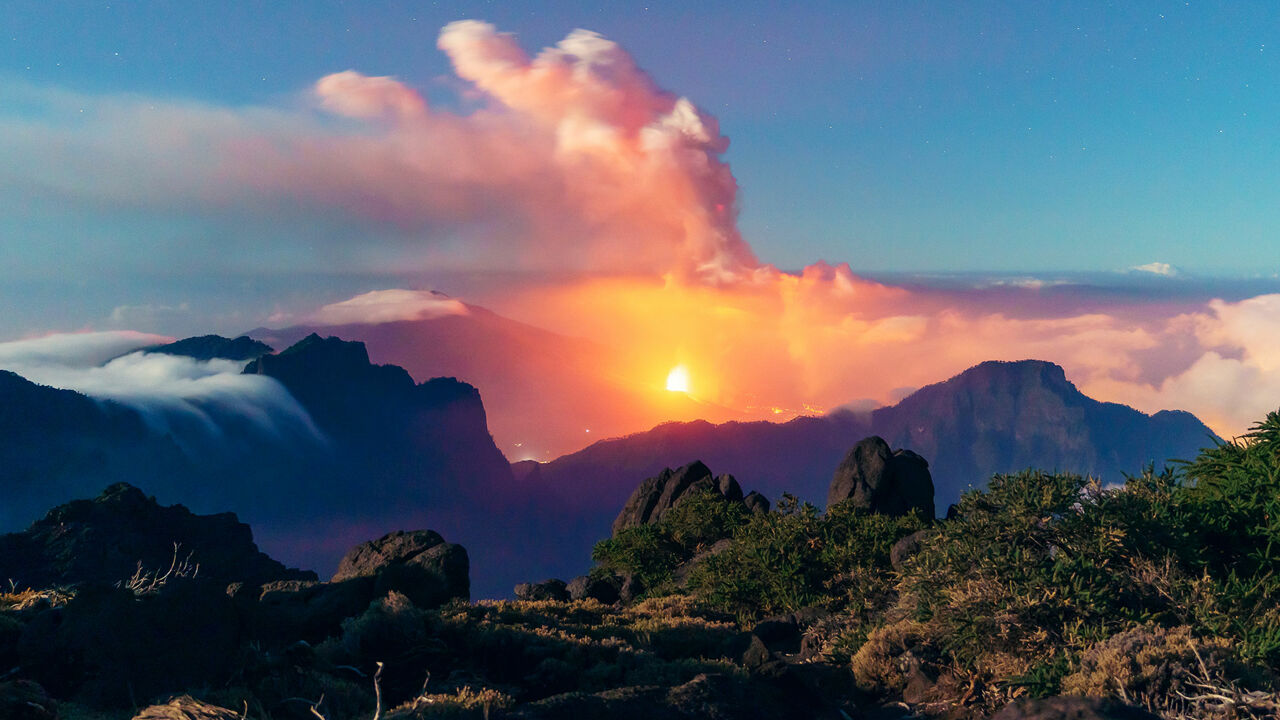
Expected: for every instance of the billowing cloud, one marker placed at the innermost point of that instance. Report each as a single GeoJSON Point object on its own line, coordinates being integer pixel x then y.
{"type": "Point", "coordinates": [354, 95]}
{"type": "Point", "coordinates": [1236, 380]}
{"type": "Point", "coordinates": [381, 306]}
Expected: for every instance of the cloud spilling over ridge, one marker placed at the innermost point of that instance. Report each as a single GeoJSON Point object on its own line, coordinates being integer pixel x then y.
{"type": "Point", "coordinates": [74, 349]}
{"type": "Point", "coordinates": [202, 404]}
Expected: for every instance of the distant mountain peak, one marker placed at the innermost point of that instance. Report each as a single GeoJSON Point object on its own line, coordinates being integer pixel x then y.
{"type": "Point", "coordinates": [210, 347]}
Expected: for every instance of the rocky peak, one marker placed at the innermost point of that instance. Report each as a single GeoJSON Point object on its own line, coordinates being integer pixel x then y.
{"type": "Point", "coordinates": [210, 347]}
{"type": "Point", "coordinates": [656, 496]}
{"type": "Point", "coordinates": [881, 480]}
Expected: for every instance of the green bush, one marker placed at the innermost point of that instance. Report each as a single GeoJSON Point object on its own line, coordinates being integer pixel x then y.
{"type": "Point", "coordinates": [652, 552]}
{"type": "Point", "coordinates": [794, 557]}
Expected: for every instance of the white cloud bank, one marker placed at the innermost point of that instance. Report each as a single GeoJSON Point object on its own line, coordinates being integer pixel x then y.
{"type": "Point", "coordinates": [198, 402]}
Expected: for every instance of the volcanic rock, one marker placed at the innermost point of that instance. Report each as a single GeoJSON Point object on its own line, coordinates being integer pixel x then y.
{"type": "Point", "coordinates": [604, 590]}
{"type": "Point", "coordinates": [306, 610]}
{"type": "Point", "coordinates": [419, 564]}
{"type": "Point", "coordinates": [553, 589]}
{"type": "Point", "coordinates": [656, 496]}
{"type": "Point", "coordinates": [756, 503]}
{"type": "Point", "coordinates": [906, 547]}
{"type": "Point", "coordinates": [883, 481]}
{"type": "Point", "coordinates": [123, 532]}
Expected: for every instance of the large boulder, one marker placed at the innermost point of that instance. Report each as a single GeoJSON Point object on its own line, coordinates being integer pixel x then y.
{"type": "Point", "coordinates": [284, 612]}
{"type": "Point", "coordinates": [419, 564]}
{"type": "Point", "coordinates": [882, 480]}
{"type": "Point", "coordinates": [656, 496]}
{"type": "Point", "coordinates": [122, 533]}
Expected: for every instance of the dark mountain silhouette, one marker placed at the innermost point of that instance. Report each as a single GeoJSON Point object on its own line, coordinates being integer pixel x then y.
{"type": "Point", "coordinates": [389, 455]}
{"type": "Point", "coordinates": [995, 417]}
{"type": "Point", "coordinates": [1009, 416]}
{"type": "Point", "coordinates": [543, 390]}
{"type": "Point", "coordinates": [56, 445]}
{"type": "Point", "coordinates": [209, 347]}
{"type": "Point", "coordinates": [104, 540]}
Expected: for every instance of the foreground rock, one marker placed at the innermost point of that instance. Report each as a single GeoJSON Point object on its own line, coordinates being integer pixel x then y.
{"type": "Point", "coordinates": [883, 481]}
{"type": "Point", "coordinates": [122, 533]}
{"type": "Point", "coordinates": [656, 496]}
{"type": "Point", "coordinates": [419, 564]}
{"type": "Point", "coordinates": [25, 700]}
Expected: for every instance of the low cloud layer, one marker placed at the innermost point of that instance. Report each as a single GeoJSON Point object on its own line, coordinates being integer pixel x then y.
{"type": "Point", "coordinates": [202, 404]}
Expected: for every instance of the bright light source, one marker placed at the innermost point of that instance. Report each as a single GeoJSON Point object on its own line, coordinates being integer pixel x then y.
{"type": "Point", "coordinates": [678, 379]}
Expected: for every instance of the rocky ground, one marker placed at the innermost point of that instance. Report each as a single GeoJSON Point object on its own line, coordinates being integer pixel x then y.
{"type": "Point", "coordinates": [135, 610]}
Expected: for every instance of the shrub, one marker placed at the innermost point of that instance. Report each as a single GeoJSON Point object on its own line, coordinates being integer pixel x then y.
{"type": "Point", "coordinates": [794, 557]}
{"type": "Point", "coordinates": [652, 552]}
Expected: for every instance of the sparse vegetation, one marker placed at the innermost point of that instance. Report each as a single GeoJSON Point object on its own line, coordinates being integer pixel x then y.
{"type": "Point", "coordinates": [1163, 592]}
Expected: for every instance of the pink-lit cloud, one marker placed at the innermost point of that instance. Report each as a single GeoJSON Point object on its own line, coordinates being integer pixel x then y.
{"type": "Point", "coordinates": [382, 306]}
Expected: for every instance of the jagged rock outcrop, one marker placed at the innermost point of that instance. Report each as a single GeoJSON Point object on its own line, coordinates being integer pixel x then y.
{"type": "Point", "coordinates": [756, 503]}
{"type": "Point", "coordinates": [112, 537]}
{"type": "Point", "coordinates": [211, 347]}
{"type": "Point", "coordinates": [656, 496]}
{"type": "Point", "coordinates": [418, 564]}
{"type": "Point", "coordinates": [883, 481]}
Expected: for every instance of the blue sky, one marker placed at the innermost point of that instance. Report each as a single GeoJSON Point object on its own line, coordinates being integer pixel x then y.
{"type": "Point", "coordinates": [899, 137]}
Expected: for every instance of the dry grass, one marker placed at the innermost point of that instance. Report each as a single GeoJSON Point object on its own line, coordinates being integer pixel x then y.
{"type": "Point", "coordinates": [464, 703]}
{"type": "Point", "coordinates": [1172, 673]}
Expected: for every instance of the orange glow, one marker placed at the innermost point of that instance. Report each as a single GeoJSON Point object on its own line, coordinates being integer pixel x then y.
{"type": "Point", "coordinates": [678, 380]}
